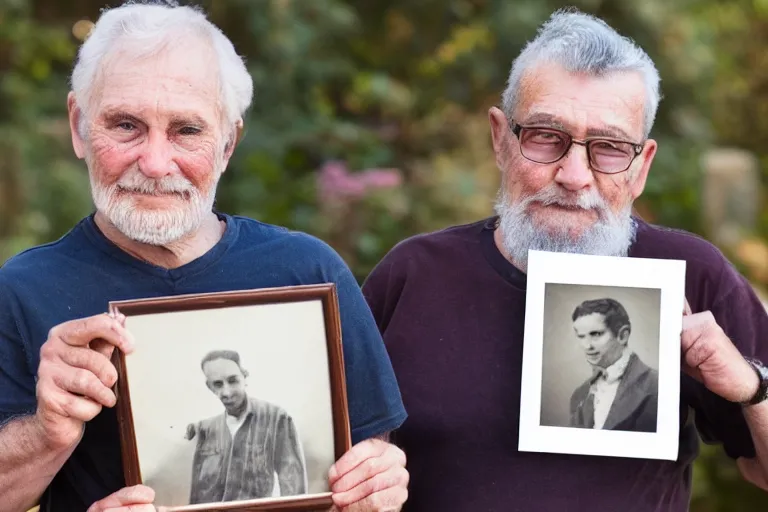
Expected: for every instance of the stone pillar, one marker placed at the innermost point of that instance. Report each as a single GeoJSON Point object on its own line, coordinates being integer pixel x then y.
{"type": "Point", "coordinates": [730, 194]}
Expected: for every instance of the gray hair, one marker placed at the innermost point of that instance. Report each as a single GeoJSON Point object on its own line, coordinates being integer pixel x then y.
{"type": "Point", "coordinates": [231, 355]}
{"type": "Point", "coordinates": [150, 27]}
{"type": "Point", "coordinates": [582, 43]}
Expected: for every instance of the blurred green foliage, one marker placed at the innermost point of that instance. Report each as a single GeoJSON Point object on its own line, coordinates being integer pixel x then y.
{"type": "Point", "coordinates": [392, 84]}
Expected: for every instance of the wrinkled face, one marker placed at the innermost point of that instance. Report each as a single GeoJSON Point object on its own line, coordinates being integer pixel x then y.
{"type": "Point", "coordinates": [601, 346]}
{"type": "Point", "coordinates": [155, 141]}
{"type": "Point", "coordinates": [225, 378]}
{"type": "Point", "coordinates": [566, 206]}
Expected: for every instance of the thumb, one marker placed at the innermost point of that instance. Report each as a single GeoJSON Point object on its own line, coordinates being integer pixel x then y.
{"type": "Point", "coordinates": [687, 308]}
{"type": "Point", "coordinates": [136, 495]}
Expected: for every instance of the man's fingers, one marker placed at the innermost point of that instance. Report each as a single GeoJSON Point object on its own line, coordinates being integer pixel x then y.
{"type": "Point", "coordinates": [102, 347]}
{"type": "Point", "coordinates": [693, 372]}
{"type": "Point", "coordinates": [93, 361]}
{"type": "Point", "coordinates": [354, 457]}
{"type": "Point", "coordinates": [66, 404]}
{"type": "Point", "coordinates": [138, 498]}
{"type": "Point", "coordinates": [131, 508]}
{"type": "Point", "coordinates": [393, 457]}
{"type": "Point", "coordinates": [85, 383]}
{"type": "Point", "coordinates": [694, 326]}
{"type": "Point", "coordinates": [81, 332]}
{"type": "Point", "coordinates": [383, 491]}
{"type": "Point", "coordinates": [687, 308]}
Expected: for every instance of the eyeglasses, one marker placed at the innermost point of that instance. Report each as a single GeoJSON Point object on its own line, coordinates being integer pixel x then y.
{"type": "Point", "coordinates": [548, 145]}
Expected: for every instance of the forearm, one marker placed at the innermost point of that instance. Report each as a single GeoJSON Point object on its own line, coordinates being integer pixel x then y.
{"type": "Point", "coordinates": [27, 463]}
{"type": "Point", "coordinates": [756, 470]}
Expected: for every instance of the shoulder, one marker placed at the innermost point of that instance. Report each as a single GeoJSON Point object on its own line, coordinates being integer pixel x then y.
{"type": "Point", "coordinates": [33, 260]}
{"type": "Point", "coordinates": [267, 409]}
{"type": "Point", "coordinates": [649, 377]}
{"type": "Point", "coordinates": [284, 242]}
{"type": "Point", "coordinates": [709, 274]}
{"type": "Point", "coordinates": [258, 404]}
{"type": "Point", "coordinates": [664, 241]}
{"type": "Point", "coordinates": [431, 247]}
{"type": "Point", "coordinates": [580, 392]}
{"type": "Point", "coordinates": [210, 423]}
{"type": "Point", "coordinates": [39, 263]}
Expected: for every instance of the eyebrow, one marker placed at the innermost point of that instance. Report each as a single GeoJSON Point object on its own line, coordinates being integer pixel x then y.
{"type": "Point", "coordinates": [610, 131]}
{"type": "Point", "coordinates": [116, 114]}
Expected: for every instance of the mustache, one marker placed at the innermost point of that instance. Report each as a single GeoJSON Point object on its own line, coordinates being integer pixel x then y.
{"type": "Point", "coordinates": [554, 195]}
{"type": "Point", "coordinates": [135, 181]}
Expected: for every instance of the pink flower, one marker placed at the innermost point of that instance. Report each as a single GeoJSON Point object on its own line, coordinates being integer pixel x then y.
{"type": "Point", "coordinates": [336, 184]}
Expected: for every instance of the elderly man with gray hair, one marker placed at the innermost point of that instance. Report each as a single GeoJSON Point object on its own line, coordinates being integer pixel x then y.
{"type": "Point", "coordinates": [572, 142]}
{"type": "Point", "coordinates": [156, 111]}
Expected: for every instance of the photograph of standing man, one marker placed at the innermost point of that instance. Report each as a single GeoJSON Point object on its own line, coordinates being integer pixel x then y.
{"type": "Point", "coordinates": [622, 393]}
{"type": "Point", "coordinates": [249, 449]}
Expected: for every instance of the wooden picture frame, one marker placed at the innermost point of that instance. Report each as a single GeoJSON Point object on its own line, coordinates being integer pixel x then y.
{"type": "Point", "coordinates": [166, 383]}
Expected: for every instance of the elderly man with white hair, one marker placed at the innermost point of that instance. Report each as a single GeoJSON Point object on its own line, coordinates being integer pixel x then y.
{"type": "Point", "coordinates": [572, 142]}
{"type": "Point", "coordinates": [156, 110]}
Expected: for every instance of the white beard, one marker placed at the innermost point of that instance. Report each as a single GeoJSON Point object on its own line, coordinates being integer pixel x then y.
{"type": "Point", "coordinates": [152, 227]}
{"type": "Point", "coordinates": [611, 235]}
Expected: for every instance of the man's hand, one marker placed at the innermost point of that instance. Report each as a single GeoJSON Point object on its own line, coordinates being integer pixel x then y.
{"type": "Point", "coordinates": [75, 375]}
{"type": "Point", "coordinates": [138, 498]}
{"type": "Point", "coordinates": [712, 359]}
{"type": "Point", "coordinates": [371, 477]}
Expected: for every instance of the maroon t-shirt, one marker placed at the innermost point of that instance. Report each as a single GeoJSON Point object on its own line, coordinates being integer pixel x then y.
{"type": "Point", "coordinates": [451, 309]}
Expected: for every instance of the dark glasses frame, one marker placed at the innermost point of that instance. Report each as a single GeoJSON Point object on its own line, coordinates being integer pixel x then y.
{"type": "Point", "coordinates": [588, 143]}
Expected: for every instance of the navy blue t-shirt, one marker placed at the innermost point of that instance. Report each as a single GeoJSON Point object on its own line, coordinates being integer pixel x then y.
{"type": "Point", "coordinates": [79, 274]}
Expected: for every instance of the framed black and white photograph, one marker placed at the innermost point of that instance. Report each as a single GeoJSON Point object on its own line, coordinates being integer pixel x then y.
{"type": "Point", "coordinates": [234, 400]}
{"type": "Point", "coordinates": [601, 356]}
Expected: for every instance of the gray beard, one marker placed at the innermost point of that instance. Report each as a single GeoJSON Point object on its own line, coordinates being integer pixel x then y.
{"type": "Point", "coordinates": [611, 235]}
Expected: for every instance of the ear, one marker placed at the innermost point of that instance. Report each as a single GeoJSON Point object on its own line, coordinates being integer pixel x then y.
{"type": "Point", "coordinates": [624, 333]}
{"type": "Point", "coordinates": [638, 179]}
{"type": "Point", "coordinates": [499, 134]}
{"type": "Point", "coordinates": [75, 118]}
{"type": "Point", "coordinates": [245, 372]}
{"type": "Point", "coordinates": [234, 139]}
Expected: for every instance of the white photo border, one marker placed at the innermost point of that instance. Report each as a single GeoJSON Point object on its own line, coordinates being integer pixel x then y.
{"type": "Point", "coordinates": [668, 276]}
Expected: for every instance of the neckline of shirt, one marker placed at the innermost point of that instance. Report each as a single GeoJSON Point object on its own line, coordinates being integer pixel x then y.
{"type": "Point", "coordinates": [97, 237]}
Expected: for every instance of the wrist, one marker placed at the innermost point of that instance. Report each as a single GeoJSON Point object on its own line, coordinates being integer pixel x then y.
{"type": "Point", "coordinates": [756, 383]}
{"type": "Point", "coordinates": [52, 441]}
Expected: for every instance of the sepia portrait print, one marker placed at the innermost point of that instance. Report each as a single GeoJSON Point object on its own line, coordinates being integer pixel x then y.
{"type": "Point", "coordinates": [234, 400]}
{"type": "Point", "coordinates": [601, 356]}
{"type": "Point", "coordinates": [247, 430]}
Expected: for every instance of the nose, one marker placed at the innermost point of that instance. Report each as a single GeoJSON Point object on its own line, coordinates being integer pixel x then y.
{"type": "Point", "coordinates": [574, 172]}
{"type": "Point", "coordinates": [156, 160]}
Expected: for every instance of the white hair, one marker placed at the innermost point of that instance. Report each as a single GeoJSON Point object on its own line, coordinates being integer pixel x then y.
{"type": "Point", "coordinates": [611, 235]}
{"type": "Point", "coordinates": [148, 29]}
{"type": "Point", "coordinates": [582, 43]}
{"type": "Point", "coordinates": [153, 227]}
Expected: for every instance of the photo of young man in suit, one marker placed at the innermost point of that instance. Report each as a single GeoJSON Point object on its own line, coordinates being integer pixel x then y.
{"type": "Point", "coordinates": [622, 392]}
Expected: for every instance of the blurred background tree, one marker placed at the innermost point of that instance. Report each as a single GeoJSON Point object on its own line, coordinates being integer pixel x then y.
{"type": "Point", "coordinates": [369, 123]}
